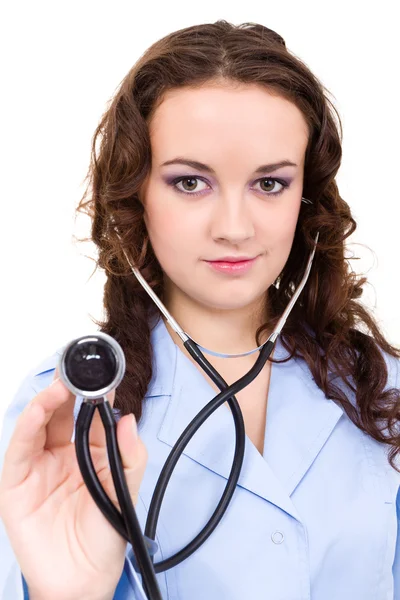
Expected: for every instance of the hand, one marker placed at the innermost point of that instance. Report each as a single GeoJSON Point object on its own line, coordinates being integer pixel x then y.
{"type": "Point", "coordinates": [65, 547]}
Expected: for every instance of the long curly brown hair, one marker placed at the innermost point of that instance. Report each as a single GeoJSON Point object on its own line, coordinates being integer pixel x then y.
{"type": "Point", "coordinates": [325, 325]}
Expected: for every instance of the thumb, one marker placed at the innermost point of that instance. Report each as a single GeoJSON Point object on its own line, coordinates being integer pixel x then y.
{"type": "Point", "coordinates": [133, 453]}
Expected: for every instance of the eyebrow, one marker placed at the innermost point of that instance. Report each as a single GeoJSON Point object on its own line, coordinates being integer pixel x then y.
{"type": "Point", "coordinates": [202, 167]}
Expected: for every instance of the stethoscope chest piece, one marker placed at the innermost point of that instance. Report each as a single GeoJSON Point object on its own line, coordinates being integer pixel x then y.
{"type": "Point", "coordinates": [92, 365]}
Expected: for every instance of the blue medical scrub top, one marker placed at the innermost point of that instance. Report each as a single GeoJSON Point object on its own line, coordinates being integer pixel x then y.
{"type": "Point", "coordinates": [315, 517]}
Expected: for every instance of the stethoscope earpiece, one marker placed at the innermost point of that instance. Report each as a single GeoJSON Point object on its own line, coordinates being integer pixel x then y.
{"type": "Point", "coordinates": [92, 365]}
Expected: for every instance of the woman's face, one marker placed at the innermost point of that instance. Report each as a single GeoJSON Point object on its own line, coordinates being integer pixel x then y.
{"type": "Point", "coordinates": [231, 209]}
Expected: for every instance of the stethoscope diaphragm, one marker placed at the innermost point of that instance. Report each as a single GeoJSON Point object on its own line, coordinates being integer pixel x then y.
{"type": "Point", "coordinates": [92, 365]}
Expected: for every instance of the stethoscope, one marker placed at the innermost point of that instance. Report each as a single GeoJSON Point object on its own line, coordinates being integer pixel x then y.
{"type": "Point", "coordinates": [93, 365]}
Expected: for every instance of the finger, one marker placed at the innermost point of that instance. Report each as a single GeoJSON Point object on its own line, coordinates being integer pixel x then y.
{"type": "Point", "coordinates": [133, 454]}
{"type": "Point", "coordinates": [61, 424]}
{"type": "Point", "coordinates": [29, 437]}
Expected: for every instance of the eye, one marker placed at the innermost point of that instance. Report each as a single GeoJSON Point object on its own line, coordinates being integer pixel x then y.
{"type": "Point", "coordinates": [191, 187]}
{"type": "Point", "coordinates": [272, 181]}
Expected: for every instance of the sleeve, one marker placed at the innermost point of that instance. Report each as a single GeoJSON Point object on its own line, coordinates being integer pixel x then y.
{"type": "Point", "coordinates": [12, 582]}
{"type": "Point", "coordinates": [394, 374]}
{"type": "Point", "coordinates": [396, 564]}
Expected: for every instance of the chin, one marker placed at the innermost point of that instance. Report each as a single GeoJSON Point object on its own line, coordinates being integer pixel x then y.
{"type": "Point", "coordinates": [231, 300]}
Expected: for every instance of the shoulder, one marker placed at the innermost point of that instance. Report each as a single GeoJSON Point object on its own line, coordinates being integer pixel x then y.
{"type": "Point", "coordinates": [393, 375]}
{"type": "Point", "coordinates": [392, 383]}
{"type": "Point", "coordinates": [38, 378]}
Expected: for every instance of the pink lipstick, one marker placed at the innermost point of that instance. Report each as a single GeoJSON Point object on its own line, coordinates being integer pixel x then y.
{"type": "Point", "coordinates": [231, 265]}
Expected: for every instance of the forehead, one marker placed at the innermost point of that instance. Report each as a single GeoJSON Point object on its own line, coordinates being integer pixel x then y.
{"type": "Point", "coordinates": [214, 118]}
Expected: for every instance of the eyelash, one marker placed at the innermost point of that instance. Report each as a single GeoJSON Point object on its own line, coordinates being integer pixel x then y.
{"type": "Point", "coordinates": [173, 183]}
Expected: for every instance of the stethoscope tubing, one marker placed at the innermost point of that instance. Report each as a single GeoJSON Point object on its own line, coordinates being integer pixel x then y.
{"type": "Point", "coordinates": [226, 394]}
{"type": "Point", "coordinates": [127, 523]}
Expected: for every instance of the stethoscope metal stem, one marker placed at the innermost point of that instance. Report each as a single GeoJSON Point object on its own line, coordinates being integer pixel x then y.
{"type": "Point", "coordinates": [184, 336]}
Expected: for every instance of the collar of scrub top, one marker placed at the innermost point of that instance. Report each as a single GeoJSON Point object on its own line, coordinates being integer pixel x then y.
{"type": "Point", "coordinates": [184, 336]}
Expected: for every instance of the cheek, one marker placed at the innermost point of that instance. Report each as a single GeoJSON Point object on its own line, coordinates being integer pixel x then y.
{"type": "Point", "coordinates": [277, 229]}
{"type": "Point", "coordinates": [170, 233]}
{"type": "Point", "coordinates": [276, 235]}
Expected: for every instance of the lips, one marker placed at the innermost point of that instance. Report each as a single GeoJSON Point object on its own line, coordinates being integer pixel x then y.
{"type": "Point", "coordinates": [232, 259]}
{"type": "Point", "coordinates": [232, 265]}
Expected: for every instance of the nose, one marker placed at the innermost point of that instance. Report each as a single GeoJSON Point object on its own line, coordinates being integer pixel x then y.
{"type": "Point", "coordinates": [231, 219]}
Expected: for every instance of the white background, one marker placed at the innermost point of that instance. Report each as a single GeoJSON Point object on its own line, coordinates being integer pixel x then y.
{"type": "Point", "coordinates": [62, 62]}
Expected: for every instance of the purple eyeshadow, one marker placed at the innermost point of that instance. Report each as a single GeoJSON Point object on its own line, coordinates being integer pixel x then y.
{"type": "Point", "coordinates": [169, 179]}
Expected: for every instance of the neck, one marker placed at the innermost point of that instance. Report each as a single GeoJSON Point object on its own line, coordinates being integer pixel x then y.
{"type": "Point", "coordinates": [227, 331]}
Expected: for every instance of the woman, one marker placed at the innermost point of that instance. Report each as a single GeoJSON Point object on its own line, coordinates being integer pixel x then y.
{"type": "Point", "coordinates": [224, 244]}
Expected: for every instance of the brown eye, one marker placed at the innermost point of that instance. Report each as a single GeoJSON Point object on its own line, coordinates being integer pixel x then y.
{"type": "Point", "coordinates": [192, 184]}
{"type": "Point", "coordinates": [189, 185]}
{"type": "Point", "coordinates": [271, 182]}
{"type": "Point", "coordinates": [269, 186]}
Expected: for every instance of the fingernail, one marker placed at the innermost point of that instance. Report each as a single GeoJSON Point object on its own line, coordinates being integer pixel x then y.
{"type": "Point", "coordinates": [134, 427]}
{"type": "Point", "coordinates": [54, 381]}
